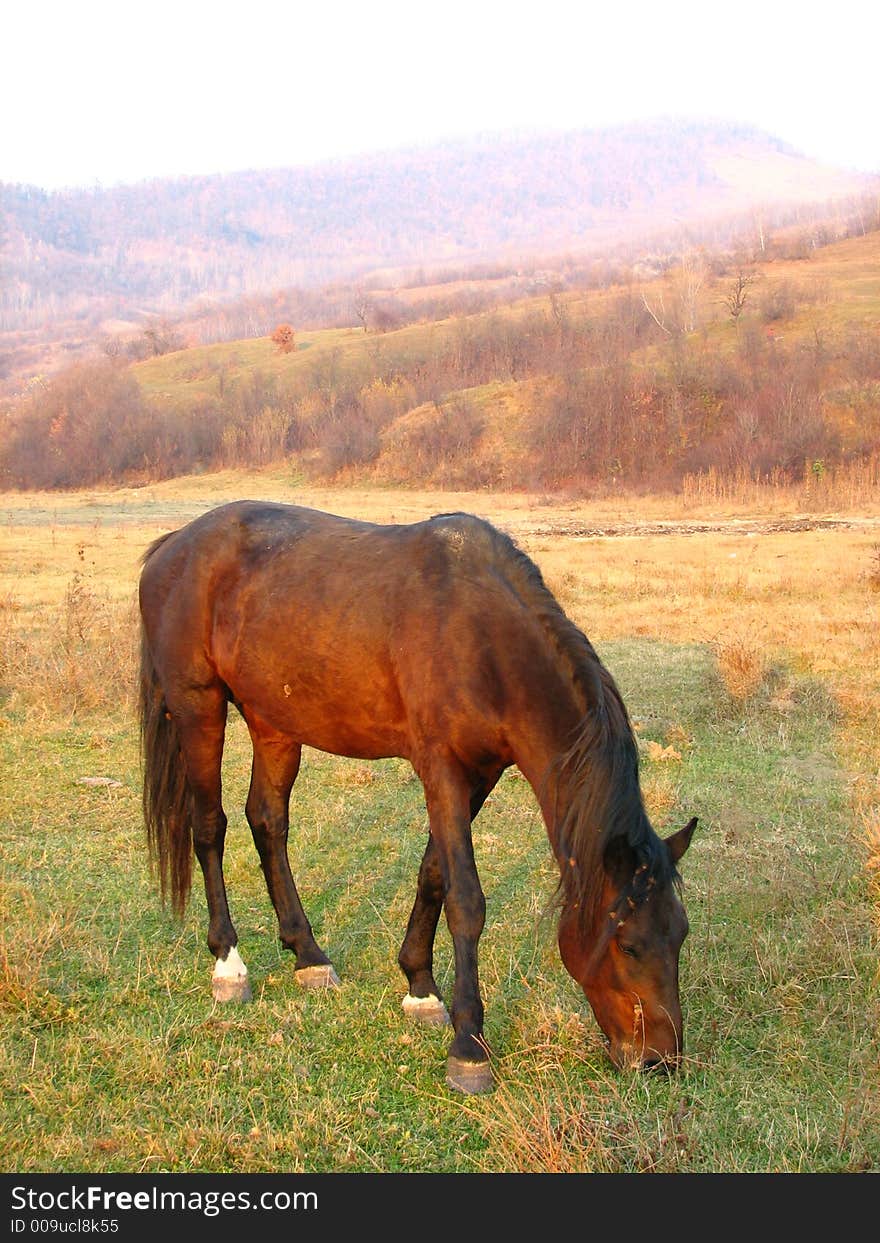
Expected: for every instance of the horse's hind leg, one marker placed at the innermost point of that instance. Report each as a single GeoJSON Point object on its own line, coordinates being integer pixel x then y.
{"type": "Point", "coordinates": [416, 958]}
{"type": "Point", "coordinates": [275, 767]}
{"type": "Point", "coordinates": [201, 723]}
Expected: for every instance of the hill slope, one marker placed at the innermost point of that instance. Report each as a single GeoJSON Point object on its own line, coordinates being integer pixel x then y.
{"type": "Point", "coordinates": [639, 384]}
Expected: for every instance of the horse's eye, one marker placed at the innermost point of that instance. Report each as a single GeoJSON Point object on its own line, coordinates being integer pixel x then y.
{"type": "Point", "coordinates": [629, 950]}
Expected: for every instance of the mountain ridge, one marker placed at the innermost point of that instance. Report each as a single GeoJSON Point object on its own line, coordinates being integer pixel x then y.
{"type": "Point", "coordinates": [453, 202]}
{"type": "Point", "coordinates": [75, 259]}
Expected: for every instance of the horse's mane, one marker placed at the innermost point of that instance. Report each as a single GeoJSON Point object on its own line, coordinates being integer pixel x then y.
{"type": "Point", "coordinates": [596, 780]}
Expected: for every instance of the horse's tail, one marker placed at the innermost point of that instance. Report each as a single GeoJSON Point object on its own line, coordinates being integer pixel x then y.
{"type": "Point", "coordinates": [167, 794]}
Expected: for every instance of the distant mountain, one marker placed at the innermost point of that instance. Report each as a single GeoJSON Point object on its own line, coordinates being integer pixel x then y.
{"type": "Point", "coordinates": [159, 246]}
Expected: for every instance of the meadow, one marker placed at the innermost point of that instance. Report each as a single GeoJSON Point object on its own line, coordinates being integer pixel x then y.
{"type": "Point", "coordinates": [742, 631]}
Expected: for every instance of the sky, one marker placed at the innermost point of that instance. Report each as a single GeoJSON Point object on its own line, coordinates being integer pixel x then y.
{"type": "Point", "coordinates": [94, 93]}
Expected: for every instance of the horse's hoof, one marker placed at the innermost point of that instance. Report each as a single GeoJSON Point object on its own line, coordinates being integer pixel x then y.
{"type": "Point", "coordinates": [472, 1078]}
{"type": "Point", "coordinates": [230, 979]}
{"type": "Point", "coordinates": [320, 976]}
{"type": "Point", "coordinates": [231, 988]}
{"type": "Point", "coordinates": [429, 1010]}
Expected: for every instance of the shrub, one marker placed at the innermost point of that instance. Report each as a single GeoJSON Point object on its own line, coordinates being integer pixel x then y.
{"type": "Point", "coordinates": [283, 337]}
{"type": "Point", "coordinates": [81, 656]}
{"type": "Point", "coordinates": [88, 425]}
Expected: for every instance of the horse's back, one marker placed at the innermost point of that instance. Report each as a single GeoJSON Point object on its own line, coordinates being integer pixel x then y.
{"type": "Point", "coordinates": [355, 637]}
{"type": "Point", "coordinates": [260, 548]}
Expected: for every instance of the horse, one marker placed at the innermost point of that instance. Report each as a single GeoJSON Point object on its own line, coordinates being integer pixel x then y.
{"type": "Point", "coordinates": [438, 642]}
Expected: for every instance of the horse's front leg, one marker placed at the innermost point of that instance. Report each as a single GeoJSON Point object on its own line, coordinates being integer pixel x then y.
{"type": "Point", "coordinates": [448, 796]}
{"type": "Point", "coordinates": [416, 958]}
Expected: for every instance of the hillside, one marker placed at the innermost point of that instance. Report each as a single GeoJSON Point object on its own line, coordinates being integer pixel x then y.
{"type": "Point", "coordinates": [85, 263]}
{"type": "Point", "coordinates": [629, 384]}
{"type": "Point", "coordinates": [725, 366]}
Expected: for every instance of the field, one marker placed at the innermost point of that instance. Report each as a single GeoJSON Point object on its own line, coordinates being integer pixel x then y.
{"type": "Point", "coordinates": [743, 634]}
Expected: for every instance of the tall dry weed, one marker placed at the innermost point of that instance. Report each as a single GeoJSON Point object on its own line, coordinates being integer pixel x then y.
{"type": "Point", "coordinates": [23, 989]}
{"type": "Point", "coordinates": [742, 667]}
{"type": "Point", "coordinates": [79, 656]}
{"type": "Point", "coordinates": [577, 1119]}
{"type": "Point", "coordinates": [871, 837]}
{"type": "Point", "coordinates": [13, 647]}
{"type": "Point", "coordinates": [822, 485]}
{"type": "Point", "coordinates": [874, 568]}
{"type": "Point", "coordinates": [543, 1131]}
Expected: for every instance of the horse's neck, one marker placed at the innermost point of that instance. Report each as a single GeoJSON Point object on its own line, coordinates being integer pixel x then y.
{"type": "Point", "coordinates": [548, 735]}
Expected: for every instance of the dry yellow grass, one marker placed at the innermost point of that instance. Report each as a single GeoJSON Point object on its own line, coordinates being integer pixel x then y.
{"type": "Point", "coordinates": [807, 592]}
{"type": "Point", "coordinates": [741, 665]}
{"type": "Point", "coordinates": [719, 574]}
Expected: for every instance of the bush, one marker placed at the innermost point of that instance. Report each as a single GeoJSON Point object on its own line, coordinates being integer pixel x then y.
{"type": "Point", "coordinates": [742, 668]}
{"type": "Point", "coordinates": [88, 425]}
{"type": "Point", "coordinates": [438, 445]}
{"type": "Point", "coordinates": [283, 337]}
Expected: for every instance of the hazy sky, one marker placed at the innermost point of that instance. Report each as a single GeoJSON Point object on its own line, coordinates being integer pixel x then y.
{"type": "Point", "coordinates": [105, 92]}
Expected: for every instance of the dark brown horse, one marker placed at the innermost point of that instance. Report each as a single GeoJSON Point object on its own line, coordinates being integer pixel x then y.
{"type": "Point", "coordinates": [438, 642]}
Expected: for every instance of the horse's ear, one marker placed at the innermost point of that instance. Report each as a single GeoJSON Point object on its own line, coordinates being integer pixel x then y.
{"type": "Point", "coordinates": [678, 843]}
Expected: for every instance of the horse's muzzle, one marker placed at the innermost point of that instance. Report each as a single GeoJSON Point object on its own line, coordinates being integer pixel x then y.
{"type": "Point", "coordinates": [661, 1065]}
{"type": "Point", "coordinates": [627, 1058]}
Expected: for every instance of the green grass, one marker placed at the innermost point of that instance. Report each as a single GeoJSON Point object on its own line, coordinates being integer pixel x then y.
{"type": "Point", "coordinates": [199, 371]}
{"type": "Point", "coordinates": [114, 1056]}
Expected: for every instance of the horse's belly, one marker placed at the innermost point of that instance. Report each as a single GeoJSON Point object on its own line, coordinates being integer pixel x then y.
{"type": "Point", "coordinates": [329, 709]}
{"type": "Point", "coordinates": [359, 735]}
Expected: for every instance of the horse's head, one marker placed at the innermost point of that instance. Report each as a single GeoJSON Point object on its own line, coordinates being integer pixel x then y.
{"type": "Point", "coordinates": [627, 963]}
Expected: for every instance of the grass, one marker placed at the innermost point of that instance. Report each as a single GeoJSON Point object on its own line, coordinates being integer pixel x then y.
{"type": "Point", "coordinates": [114, 1056]}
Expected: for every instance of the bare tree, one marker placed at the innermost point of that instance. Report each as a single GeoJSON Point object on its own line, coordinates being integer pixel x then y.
{"type": "Point", "coordinates": [686, 288]}
{"type": "Point", "coordinates": [736, 296]}
{"type": "Point", "coordinates": [559, 311]}
{"type": "Point", "coordinates": [759, 227]}
{"type": "Point", "coordinates": [658, 315]}
{"type": "Point", "coordinates": [361, 305]}
{"type": "Point", "coordinates": [689, 285]}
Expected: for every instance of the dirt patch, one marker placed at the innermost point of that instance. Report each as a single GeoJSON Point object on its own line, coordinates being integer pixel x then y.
{"type": "Point", "coordinates": [813, 769]}
{"type": "Point", "coordinates": [735, 526]}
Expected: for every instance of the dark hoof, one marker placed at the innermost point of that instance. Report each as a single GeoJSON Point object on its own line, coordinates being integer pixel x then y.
{"type": "Point", "coordinates": [428, 1010]}
{"type": "Point", "coordinates": [231, 988]}
{"type": "Point", "coordinates": [473, 1078]}
{"type": "Point", "coordinates": [320, 976]}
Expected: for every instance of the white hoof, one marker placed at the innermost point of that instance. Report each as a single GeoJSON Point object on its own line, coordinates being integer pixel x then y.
{"type": "Point", "coordinates": [230, 979]}
{"type": "Point", "coordinates": [429, 1010]}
